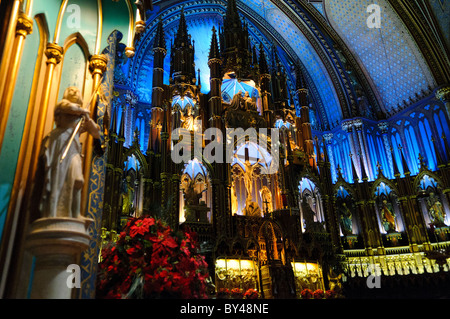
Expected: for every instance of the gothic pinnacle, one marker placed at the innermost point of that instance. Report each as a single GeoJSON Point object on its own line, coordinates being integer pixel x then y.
{"type": "Point", "coordinates": [214, 52]}
{"type": "Point", "coordinates": [160, 41]}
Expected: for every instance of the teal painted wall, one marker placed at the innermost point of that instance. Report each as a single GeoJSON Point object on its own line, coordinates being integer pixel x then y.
{"type": "Point", "coordinates": [16, 121]}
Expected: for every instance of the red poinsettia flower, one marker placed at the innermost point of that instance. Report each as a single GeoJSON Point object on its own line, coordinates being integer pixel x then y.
{"type": "Point", "coordinates": [306, 293]}
{"type": "Point", "coordinates": [141, 226]}
{"type": "Point", "coordinates": [318, 294]}
{"type": "Point", "coordinates": [165, 263]}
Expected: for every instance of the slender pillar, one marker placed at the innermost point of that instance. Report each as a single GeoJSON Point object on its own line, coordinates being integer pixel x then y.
{"type": "Point", "coordinates": [97, 66]}
{"type": "Point", "coordinates": [383, 126]}
{"type": "Point", "coordinates": [24, 27]}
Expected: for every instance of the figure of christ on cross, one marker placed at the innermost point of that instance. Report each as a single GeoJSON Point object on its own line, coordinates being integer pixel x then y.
{"type": "Point", "coordinates": [248, 174]}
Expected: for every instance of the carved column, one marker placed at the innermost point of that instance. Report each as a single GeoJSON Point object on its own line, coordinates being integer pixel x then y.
{"type": "Point", "coordinates": [97, 65]}
{"type": "Point", "coordinates": [54, 54]}
{"type": "Point", "coordinates": [24, 27]}
{"type": "Point", "coordinates": [363, 147]}
{"type": "Point", "coordinates": [383, 126]}
{"type": "Point", "coordinates": [348, 128]}
{"type": "Point", "coordinates": [328, 139]}
{"type": "Point", "coordinates": [56, 243]}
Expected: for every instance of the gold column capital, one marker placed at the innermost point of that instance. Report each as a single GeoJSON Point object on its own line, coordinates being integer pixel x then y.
{"type": "Point", "coordinates": [54, 53]}
{"type": "Point", "coordinates": [130, 52]}
{"type": "Point", "coordinates": [98, 64]}
{"type": "Point", "coordinates": [24, 25]}
{"type": "Point", "coordinates": [140, 26]}
{"type": "Point", "coordinates": [443, 94]}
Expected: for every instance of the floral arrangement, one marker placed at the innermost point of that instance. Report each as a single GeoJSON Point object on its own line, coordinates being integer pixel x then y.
{"type": "Point", "coordinates": [150, 260]}
{"type": "Point", "coordinates": [318, 294]}
{"type": "Point", "coordinates": [237, 293]}
{"type": "Point", "coordinates": [306, 293]}
{"type": "Point", "coordinates": [251, 294]}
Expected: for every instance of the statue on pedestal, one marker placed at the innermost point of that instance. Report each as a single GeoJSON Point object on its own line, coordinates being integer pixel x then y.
{"type": "Point", "coordinates": [188, 119]}
{"type": "Point", "coordinates": [128, 197]}
{"type": "Point", "coordinates": [346, 220]}
{"type": "Point", "coordinates": [249, 102]}
{"type": "Point", "coordinates": [237, 101]}
{"type": "Point", "coordinates": [59, 173]}
{"type": "Point", "coordinates": [387, 216]}
{"type": "Point", "coordinates": [436, 210]}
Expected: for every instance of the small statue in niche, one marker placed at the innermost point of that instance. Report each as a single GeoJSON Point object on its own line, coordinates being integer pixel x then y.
{"type": "Point", "coordinates": [387, 216]}
{"type": "Point", "coordinates": [266, 198]}
{"type": "Point", "coordinates": [60, 165]}
{"type": "Point", "coordinates": [309, 215]}
{"type": "Point", "coordinates": [128, 197]}
{"type": "Point", "coordinates": [237, 101]}
{"type": "Point", "coordinates": [346, 220]}
{"type": "Point", "coordinates": [191, 195]}
{"type": "Point", "coordinates": [249, 102]}
{"type": "Point", "coordinates": [436, 210]}
{"type": "Point", "coordinates": [188, 119]}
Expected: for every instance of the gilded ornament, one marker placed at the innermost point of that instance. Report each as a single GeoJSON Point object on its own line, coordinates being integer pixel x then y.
{"type": "Point", "coordinates": [24, 25]}
{"type": "Point", "coordinates": [54, 53]}
{"type": "Point", "coordinates": [98, 64]}
{"type": "Point", "coordinates": [130, 52]}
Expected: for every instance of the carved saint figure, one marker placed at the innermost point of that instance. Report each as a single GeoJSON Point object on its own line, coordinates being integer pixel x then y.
{"type": "Point", "coordinates": [62, 179]}
{"type": "Point", "coordinates": [188, 119]}
{"type": "Point", "coordinates": [236, 102]}
{"type": "Point", "coordinates": [266, 197]}
{"type": "Point", "coordinates": [249, 102]}
{"type": "Point", "coordinates": [387, 216]}
{"type": "Point", "coordinates": [128, 196]}
{"type": "Point", "coordinates": [436, 210]}
{"type": "Point", "coordinates": [346, 219]}
{"type": "Point", "coordinates": [191, 195]}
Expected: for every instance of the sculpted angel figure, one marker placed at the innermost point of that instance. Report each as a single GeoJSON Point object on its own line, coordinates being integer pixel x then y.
{"type": "Point", "coordinates": [59, 180]}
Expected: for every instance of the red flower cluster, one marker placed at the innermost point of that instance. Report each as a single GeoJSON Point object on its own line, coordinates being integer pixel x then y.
{"type": "Point", "coordinates": [251, 294]}
{"type": "Point", "coordinates": [237, 293]}
{"type": "Point", "coordinates": [306, 293]}
{"type": "Point", "coordinates": [164, 262]}
{"type": "Point", "coordinates": [318, 294]}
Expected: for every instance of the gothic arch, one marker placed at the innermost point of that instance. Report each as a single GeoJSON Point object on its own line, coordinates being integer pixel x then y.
{"type": "Point", "coordinates": [418, 178]}
{"type": "Point", "coordinates": [136, 151]}
{"type": "Point", "coordinates": [384, 180]}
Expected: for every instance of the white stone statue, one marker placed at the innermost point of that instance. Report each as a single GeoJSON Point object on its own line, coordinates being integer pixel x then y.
{"type": "Point", "coordinates": [62, 179]}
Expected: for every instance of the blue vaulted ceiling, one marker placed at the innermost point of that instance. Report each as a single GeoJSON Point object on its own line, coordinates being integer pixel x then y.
{"type": "Point", "coordinates": [388, 57]}
{"type": "Point", "coordinates": [389, 54]}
